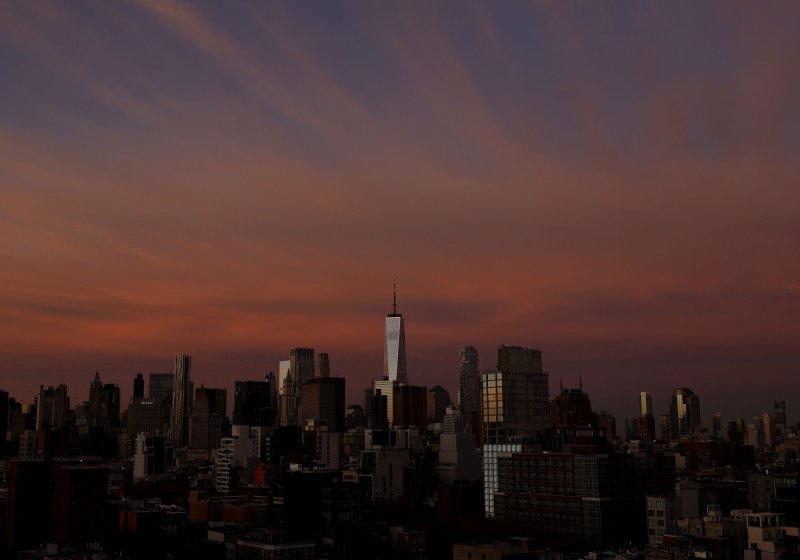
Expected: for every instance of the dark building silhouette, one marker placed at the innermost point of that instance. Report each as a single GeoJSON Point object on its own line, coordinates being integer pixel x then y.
{"type": "Point", "coordinates": [27, 517]}
{"type": "Point", "coordinates": [4, 416]}
{"type": "Point", "coordinates": [253, 403]}
{"type": "Point", "coordinates": [410, 406]}
{"type": "Point", "coordinates": [572, 408]}
{"type": "Point", "coordinates": [209, 418]}
{"type": "Point", "coordinates": [323, 400]}
{"type": "Point", "coordinates": [438, 401]}
{"type": "Point", "coordinates": [78, 502]}
{"type": "Point", "coordinates": [138, 386]}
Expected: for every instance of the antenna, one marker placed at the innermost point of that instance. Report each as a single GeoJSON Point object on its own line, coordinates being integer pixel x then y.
{"type": "Point", "coordinates": [394, 297]}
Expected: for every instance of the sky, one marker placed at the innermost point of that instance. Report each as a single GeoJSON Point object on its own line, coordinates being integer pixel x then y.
{"type": "Point", "coordinates": [616, 184]}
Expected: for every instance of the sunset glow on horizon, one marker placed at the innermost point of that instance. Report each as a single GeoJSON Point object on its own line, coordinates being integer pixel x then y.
{"type": "Point", "coordinates": [615, 184]}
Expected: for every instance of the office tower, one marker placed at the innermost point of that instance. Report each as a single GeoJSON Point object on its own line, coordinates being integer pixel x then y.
{"type": "Point", "coordinates": [79, 486]}
{"type": "Point", "coordinates": [60, 406]}
{"type": "Point", "coordinates": [376, 412]}
{"type": "Point", "coordinates": [29, 493]}
{"type": "Point", "coordinates": [94, 410]}
{"type": "Point", "coordinates": [44, 408]}
{"type": "Point", "coordinates": [684, 414]}
{"type": "Point", "coordinates": [394, 347]}
{"type": "Point", "coordinates": [438, 403]}
{"type": "Point", "coordinates": [301, 364]}
{"type": "Point", "coordinates": [515, 404]}
{"type": "Point", "coordinates": [161, 386]}
{"type": "Point", "coordinates": [780, 416]}
{"type": "Point", "coordinates": [208, 418]}
{"type": "Point", "coordinates": [323, 365]}
{"type": "Point", "coordinates": [154, 455]}
{"type": "Point", "coordinates": [410, 406]}
{"type": "Point", "coordinates": [645, 422]}
{"type": "Point", "coordinates": [469, 382]}
{"type": "Point", "coordinates": [645, 404]}
{"type": "Point", "coordinates": [179, 421]}
{"type": "Point", "coordinates": [51, 408]}
{"type": "Point", "coordinates": [515, 399]}
{"type": "Point", "coordinates": [323, 401]}
{"type": "Point", "coordinates": [736, 431]}
{"type": "Point", "coordinates": [148, 416]}
{"type": "Point", "coordinates": [354, 417]}
{"type": "Point", "coordinates": [253, 403]}
{"type": "Point", "coordinates": [646, 428]}
{"type": "Point", "coordinates": [572, 408]}
{"type": "Point", "coordinates": [111, 398]}
{"type": "Point", "coordinates": [664, 427]}
{"type": "Point", "coordinates": [609, 424]}
{"type": "Point", "coordinates": [301, 368]}
{"type": "Point", "coordinates": [767, 431]}
{"type": "Point", "coordinates": [138, 386]}
{"type": "Point", "coordinates": [386, 388]}
{"type": "Point", "coordinates": [453, 422]}
{"type": "Point", "coordinates": [716, 425]}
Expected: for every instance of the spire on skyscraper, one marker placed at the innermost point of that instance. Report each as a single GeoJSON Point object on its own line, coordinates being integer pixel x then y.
{"type": "Point", "coordinates": [394, 297]}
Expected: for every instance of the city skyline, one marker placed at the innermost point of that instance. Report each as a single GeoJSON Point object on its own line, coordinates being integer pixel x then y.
{"type": "Point", "coordinates": [616, 187]}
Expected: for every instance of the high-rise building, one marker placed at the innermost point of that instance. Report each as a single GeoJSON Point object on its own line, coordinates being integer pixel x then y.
{"type": "Point", "coordinates": [780, 415]}
{"type": "Point", "coordinates": [645, 423]}
{"type": "Point", "coordinates": [138, 386]}
{"type": "Point", "coordinates": [79, 485]}
{"type": "Point", "coordinates": [645, 404]}
{"type": "Point", "coordinates": [323, 401]}
{"type": "Point", "coordinates": [179, 422]}
{"type": "Point", "coordinates": [253, 402]}
{"type": "Point", "coordinates": [111, 400]}
{"type": "Point", "coordinates": [394, 348]}
{"type": "Point", "coordinates": [300, 370]}
{"type": "Point", "coordinates": [684, 413]}
{"type": "Point", "coordinates": [95, 410]}
{"type": "Point", "coordinates": [410, 406]}
{"type": "Point", "coordinates": [386, 388]}
{"type": "Point", "coordinates": [161, 386]}
{"type": "Point", "coordinates": [469, 382]}
{"type": "Point", "coordinates": [209, 419]}
{"type": "Point", "coordinates": [572, 408]}
{"type": "Point", "coordinates": [44, 407]}
{"type": "Point", "coordinates": [323, 365]}
{"type": "Point", "coordinates": [515, 403]}
{"type": "Point", "coordinates": [438, 403]}
{"type": "Point", "coordinates": [716, 425]}
{"type": "Point", "coordinates": [515, 398]}
{"type": "Point", "coordinates": [767, 430]}
{"type": "Point", "coordinates": [737, 430]}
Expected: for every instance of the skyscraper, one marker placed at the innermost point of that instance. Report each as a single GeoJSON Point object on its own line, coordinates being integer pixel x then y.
{"type": "Point", "coordinates": [323, 365]}
{"type": "Point", "coordinates": [684, 414]}
{"type": "Point", "coordinates": [138, 386]}
{"type": "Point", "coordinates": [179, 422]}
{"type": "Point", "coordinates": [394, 348]}
{"type": "Point", "coordinates": [645, 404]}
{"type": "Point", "coordinates": [253, 403]}
{"type": "Point", "coordinates": [780, 416]}
{"type": "Point", "coordinates": [161, 386]}
{"type": "Point", "coordinates": [645, 423]}
{"type": "Point", "coordinates": [515, 398]}
{"type": "Point", "coordinates": [323, 401]}
{"type": "Point", "coordinates": [469, 382]}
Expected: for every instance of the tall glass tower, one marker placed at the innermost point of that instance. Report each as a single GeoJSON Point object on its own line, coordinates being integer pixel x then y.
{"type": "Point", "coordinates": [394, 348]}
{"type": "Point", "coordinates": [179, 421]}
